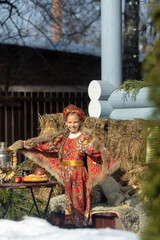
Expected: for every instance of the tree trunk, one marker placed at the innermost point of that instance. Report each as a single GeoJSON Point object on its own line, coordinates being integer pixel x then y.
{"type": "Point", "coordinates": [57, 15]}
{"type": "Point", "coordinates": [131, 66]}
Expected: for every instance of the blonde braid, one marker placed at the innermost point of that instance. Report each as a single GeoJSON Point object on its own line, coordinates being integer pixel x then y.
{"type": "Point", "coordinates": [62, 145]}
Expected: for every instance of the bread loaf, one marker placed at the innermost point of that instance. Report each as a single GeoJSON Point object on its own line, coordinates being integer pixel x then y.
{"type": "Point", "coordinates": [33, 177]}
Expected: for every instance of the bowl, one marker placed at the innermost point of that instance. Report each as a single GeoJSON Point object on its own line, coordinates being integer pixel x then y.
{"type": "Point", "coordinates": [40, 171]}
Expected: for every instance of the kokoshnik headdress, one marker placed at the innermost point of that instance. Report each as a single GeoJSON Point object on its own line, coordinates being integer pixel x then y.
{"type": "Point", "coordinates": [73, 109]}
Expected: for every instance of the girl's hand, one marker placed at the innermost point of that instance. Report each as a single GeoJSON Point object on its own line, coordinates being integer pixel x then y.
{"type": "Point", "coordinates": [27, 145]}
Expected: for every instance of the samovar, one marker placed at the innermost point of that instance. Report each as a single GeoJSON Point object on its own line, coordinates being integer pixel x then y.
{"type": "Point", "coordinates": [5, 158]}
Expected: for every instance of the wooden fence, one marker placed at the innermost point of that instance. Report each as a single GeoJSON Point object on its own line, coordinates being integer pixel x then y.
{"type": "Point", "coordinates": [19, 111]}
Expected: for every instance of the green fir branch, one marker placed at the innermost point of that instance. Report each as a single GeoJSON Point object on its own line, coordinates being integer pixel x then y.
{"type": "Point", "coordinates": [132, 87]}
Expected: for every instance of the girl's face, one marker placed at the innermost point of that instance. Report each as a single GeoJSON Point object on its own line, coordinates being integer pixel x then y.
{"type": "Point", "coordinates": [73, 123]}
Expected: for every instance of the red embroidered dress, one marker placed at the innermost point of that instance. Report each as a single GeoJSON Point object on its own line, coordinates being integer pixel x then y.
{"type": "Point", "coordinates": [74, 178]}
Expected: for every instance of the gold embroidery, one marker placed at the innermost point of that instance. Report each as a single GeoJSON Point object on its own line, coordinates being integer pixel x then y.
{"type": "Point", "coordinates": [66, 212]}
{"type": "Point", "coordinates": [73, 163]}
{"type": "Point", "coordinates": [85, 142]}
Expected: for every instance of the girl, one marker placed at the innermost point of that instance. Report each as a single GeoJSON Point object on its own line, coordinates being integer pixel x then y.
{"type": "Point", "coordinates": [76, 159]}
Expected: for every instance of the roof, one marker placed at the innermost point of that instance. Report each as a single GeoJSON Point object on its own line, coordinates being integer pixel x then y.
{"type": "Point", "coordinates": [51, 45]}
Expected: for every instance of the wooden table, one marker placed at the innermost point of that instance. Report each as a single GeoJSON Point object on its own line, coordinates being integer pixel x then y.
{"type": "Point", "coordinates": [30, 185]}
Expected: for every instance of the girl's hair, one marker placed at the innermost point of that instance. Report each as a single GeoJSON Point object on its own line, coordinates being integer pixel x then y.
{"type": "Point", "coordinates": [62, 144]}
{"type": "Point", "coordinates": [71, 113]}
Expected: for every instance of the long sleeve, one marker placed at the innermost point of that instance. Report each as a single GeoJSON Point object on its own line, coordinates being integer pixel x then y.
{"type": "Point", "coordinates": [94, 154]}
{"type": "Point", "coordinates": [49, 146]}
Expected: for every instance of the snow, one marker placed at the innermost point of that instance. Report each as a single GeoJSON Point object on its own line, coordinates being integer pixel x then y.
{"type": "Point", "coordinates": [31, 228]}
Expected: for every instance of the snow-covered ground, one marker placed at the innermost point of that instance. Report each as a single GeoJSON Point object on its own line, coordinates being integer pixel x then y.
{"type": "Point", "coordinates": [39, 229]}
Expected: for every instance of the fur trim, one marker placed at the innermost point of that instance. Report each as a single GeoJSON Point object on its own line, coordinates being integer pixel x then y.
{"type": "Point", "coordinates": [42, 139]}
{"type": "Point", "coordinates": [17, 146]}
{"type": "Point", "coordinates": [93, 180]}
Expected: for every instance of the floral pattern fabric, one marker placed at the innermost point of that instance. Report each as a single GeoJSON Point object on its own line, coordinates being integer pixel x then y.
{"type": "Point", "coordinates": [74, 178]}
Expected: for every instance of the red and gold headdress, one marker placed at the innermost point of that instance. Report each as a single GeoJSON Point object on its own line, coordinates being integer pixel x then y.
{"type": "Point", "coordinates": [73, 109]}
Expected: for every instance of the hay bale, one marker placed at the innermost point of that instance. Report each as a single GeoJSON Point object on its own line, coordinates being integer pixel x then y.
{"type": "Point", "coordinates": [51, 123]}
{"type": "Point", "coordinates": [125, 139]}
{"type": "Point", "coordinates": [98, 127]}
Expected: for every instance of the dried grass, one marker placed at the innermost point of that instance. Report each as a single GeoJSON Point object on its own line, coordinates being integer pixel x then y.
{"type": "Point", "coordinates": [51, 123]}
{"type": "Point", "coordinates": [98, 127]}
{"type": "Point", "coordinates": [125, 139]}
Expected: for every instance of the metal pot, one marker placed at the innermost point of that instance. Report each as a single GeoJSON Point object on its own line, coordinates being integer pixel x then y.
{"type": "Point", "coordinates": [5, 156]}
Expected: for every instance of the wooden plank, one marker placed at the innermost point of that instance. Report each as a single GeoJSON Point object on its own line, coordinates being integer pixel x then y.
{"type": "Point", "coordinates": [47, 104]}
{"type": "Point", "coordinates": [29, 184]}
{"type": "Point", "coordinates": [85, 102]}
{"type": "Point", "coordinates": [28, 117]}
{"type": "Point", "coordinates": [35, 118]}
{"type": "Point", "coordinates": [60, 102]}
{"type": "Point", "coordinates": [53, 104]}
{"type": "Point", "coordinates": [16, 121]}
{"type": "Point", "coordinates": [21, 114]}
{"type": "Point", "coordinates": [8, 124]}
{"type": "Point", "coordinates": [41, 104]}
{"type": "Point", "coordinates": [21, 127]}
{"type": "Point", "coordinates": [2, 124]}
{"type": "Point", "coordinates": [103, 220]}
{"type": "Point", "coordinates": [17, 101]}
{"type": "Point", "coordinates": [31, 112]}
{"type": "Point", "coordinates": [66, 101]}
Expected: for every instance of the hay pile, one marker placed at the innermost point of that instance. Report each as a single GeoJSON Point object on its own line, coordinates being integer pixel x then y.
{"type": "Point", "coordinates": [124, 139]}
{"type": "Point", "coordinates": [127, 144]}
{"type": "Point", "coordinates": [50, 123]}
{"type": "Point", "coordinates": [98, 127]}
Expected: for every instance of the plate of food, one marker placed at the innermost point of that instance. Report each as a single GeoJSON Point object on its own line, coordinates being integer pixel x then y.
{"type": "Point", "coordinates": [35, 181]}
{"type": "Point", "coordinates": [32, 178]}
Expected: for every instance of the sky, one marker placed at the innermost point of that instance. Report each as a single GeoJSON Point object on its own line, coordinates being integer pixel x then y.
{"type": "Point", "coordinates": [31, 228]}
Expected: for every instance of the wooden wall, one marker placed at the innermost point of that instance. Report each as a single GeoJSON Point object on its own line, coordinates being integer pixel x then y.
{"type": "Point", "coordinates": [27, 66]}
{"type": "Point", "coordinates": [19, 111]}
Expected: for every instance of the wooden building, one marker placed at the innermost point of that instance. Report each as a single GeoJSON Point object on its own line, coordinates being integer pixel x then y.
{"type": "Point", "coordinates": [37, 69]}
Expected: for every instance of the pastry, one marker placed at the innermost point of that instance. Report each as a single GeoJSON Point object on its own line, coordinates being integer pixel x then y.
{"type": "Point", "coordinates": [33, 177]}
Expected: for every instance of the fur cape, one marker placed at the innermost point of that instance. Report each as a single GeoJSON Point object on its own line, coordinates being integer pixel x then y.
{"type": "Point", "coordinates": [97, 173]}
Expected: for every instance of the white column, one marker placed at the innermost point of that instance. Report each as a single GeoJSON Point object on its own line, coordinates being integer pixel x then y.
{"type": "Point", "coordinates": [111, 43]}
{"type": "Point", "coordinates": [111, 58]}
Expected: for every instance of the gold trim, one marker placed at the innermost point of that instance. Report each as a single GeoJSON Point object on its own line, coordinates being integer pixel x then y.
{"type": "Point", "coordinates": [73, 163]}
{"type": "Point", "coordinates": [67, 212]}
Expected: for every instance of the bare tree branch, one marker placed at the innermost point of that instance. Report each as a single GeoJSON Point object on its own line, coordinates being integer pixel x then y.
{"type": "Point", "coordinates": [8, 3]}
